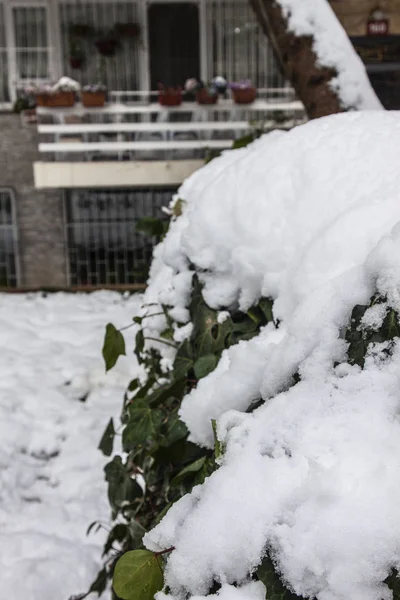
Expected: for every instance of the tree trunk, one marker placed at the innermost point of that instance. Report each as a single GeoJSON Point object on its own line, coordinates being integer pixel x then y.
{"type": "Point", "coordinates": [311, 80]}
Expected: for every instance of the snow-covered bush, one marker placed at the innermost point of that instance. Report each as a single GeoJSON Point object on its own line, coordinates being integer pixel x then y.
{"type": "Point", "coordinates": [293, 443]}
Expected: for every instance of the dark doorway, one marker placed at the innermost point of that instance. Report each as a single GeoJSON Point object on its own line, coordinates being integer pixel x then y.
{"type": "Point", "coordinates": [174, 43]}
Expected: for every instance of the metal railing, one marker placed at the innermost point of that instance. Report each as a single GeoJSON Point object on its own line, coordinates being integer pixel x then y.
{"type": "Point", "coordinates": [103, 245]}
{"type": "Point", "coordinates": [9, 259]}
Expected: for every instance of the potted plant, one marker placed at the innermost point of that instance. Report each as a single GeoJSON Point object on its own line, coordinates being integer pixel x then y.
{"type": "Point", "coordinates": [76, 54]}
{"type": "Point", "coordinates": [94, 95]}
{"type": "Point", "coordinates": [169, 96]}
{"type": "Point", "coordinates": [107, 44]}
{"type": "Point", "coordinates": [25, 100]}
{"type": "Point", "coordinates": [220, 84]}
{"type": "Point", "coordinates": [205, 94]}
{"type": "Point", "coordinates": [130, 30]}
{"type": "Point", "coordinates": [243, 92]}
{"type": "Point", "coordinates": [62, 94]}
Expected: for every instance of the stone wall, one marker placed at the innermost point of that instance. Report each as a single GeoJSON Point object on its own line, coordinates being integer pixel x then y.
{"type": "Point", "coordinates": [39, 212]}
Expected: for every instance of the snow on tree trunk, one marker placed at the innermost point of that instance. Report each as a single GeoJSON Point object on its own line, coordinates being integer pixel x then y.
{"type": "Point", "coordinates": [317, 56]}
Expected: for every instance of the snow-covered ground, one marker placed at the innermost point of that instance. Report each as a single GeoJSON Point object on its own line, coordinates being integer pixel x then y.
{"type": "Point", "coordinates": [55, 401]}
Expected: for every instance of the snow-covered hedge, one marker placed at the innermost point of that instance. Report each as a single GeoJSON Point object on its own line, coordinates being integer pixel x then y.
{"type": "Point", "coordinates": [305, 452]}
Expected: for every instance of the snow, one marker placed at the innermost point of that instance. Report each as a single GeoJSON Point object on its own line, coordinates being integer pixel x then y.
{"type": "Point", "coordinates": [51, 472]}
{"type": "Point", "coordinates": [333, 49]}
{"type": "Point", "coordinates": [307, 218]}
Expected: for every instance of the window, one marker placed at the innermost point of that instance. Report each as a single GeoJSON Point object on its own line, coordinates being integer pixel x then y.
{"type": "Point", "coordinates": [103, 245]}
{"type": "Point", "coordinates": [31, 42]}
{"type": "Point", "coordinates": [8, 240]}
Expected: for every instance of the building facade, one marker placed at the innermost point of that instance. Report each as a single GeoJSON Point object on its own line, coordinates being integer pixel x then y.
{"type": "Point", "coordinates": [74, 184]}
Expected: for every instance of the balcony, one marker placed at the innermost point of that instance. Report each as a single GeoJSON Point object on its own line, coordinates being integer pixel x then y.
{"type": "Point", "coordinates": [134, 141]}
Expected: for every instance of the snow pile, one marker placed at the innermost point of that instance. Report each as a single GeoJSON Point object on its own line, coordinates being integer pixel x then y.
{"type": "Point", "coordinates": [55, 401]}
{"type": "Point", "coordinates": [308, 218]}
{"type": "Point", "coordinates": [334, 50]}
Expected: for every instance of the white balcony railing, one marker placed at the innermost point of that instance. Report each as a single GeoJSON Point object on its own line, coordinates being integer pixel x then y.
{"type": "Point", "coordinates": [140, 130]}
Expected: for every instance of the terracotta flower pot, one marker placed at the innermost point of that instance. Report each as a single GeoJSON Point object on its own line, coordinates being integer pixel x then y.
{"type": "Point", "coordinates": [93, 98]}
{"type": "Point", "coordinates": [57, 100]}
{"type": "Point", "coordinates": [170, 97]}
{"type": "Point", "coordinates": [244, 95]}
{"type": "Point", "coordinates": [204, 97]}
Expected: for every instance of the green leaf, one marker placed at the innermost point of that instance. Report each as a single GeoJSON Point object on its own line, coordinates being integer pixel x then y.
{"type": "Point", "coordinates": [175, 430]}
{"type": "Point", "coordinates": [144, 423]}
{"type": "Point", "coordinates": [100, 583]}
{"type": "Point", "coordinates": [136, 532]}
{"type": "Point", "coordinates": [152, 226]}
{"type": "Point", "coordinates": [172, 389]}
{"type": "Point", "coordinates": [121, 487]}
{"type": "Point", "coordinates": [114, 346]}
{"type": "Point", "coordinates": [89, 529]}
{"type": "Point", "coordinates": [138, 576]}
{"type": "Point", "coordinates": [117, 534]}
{"type": "Point", "coordinates": [139, 345]}
{"type": "Point", "coordinates": [194, 467]}
{"type": "Point", "coordinates": [393, 582]}
{"type": "Point", "coordinates": [183, 360]}
{"type": "Point", "coordinates": [266, 305]}
{"type": "Point", "coordinates": [243, 141]}
{"type": "Point", "coordinates": [134, 384]}
{"type": "Point", "coordinates": [107, 439]}
{"type": "Point", "coordinates": [204, 365]}
{"type": "Point", "coordinates": [390, 325]}
{"type": "Point", "coordinates": [275, 589]}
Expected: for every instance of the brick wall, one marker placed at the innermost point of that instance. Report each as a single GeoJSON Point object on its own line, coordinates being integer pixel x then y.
{"type": "Point", "coordinates": [39, 213]}
{"type": "Point", "coordinates": [354, 14]}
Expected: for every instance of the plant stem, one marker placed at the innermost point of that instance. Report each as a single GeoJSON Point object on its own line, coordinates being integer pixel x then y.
{"type": "Point", "coordinates": [164, 551]}
{"type": "Point", "coordinates": [161, 342]}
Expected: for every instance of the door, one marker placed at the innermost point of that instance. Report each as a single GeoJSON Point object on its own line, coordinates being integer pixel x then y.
{"type": "Point", "coordinates": [174, 43]}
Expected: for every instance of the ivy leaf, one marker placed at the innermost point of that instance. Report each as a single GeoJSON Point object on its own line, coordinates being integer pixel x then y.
{"type": "Point", "coordinates": [144, 423]}
{"type": "Point", "coordinates": [100, 583]}
{"type": "Point", "coordinates": [243, 141]}
{"type": "Point", "coordinates": [152, 226]}
{"type": "Point", "coordinates": [114, 346]}
{"type": "Point", "coordinates": [107, 439]}
{"type": "Point", "coordinates": [121, 487]}
{"type": "Point", "coordinates": [189, 470]}
{"type": "Point", "coordinates": [183, 360]}
{"type": "Point", "coordinates": [89, 529]}
{"type": "Point", "coordinates": [136, 532]}
{"type": "Point", "coordinates": [175, 430]}
{"type": "Point", "coordinates": [117, 534]}
{"type": "Point", "coordinates": [204, 365]}
{"type": "Point", "coordinates": [266, 305]}
{"type": "Point", "coordinates": [390, 326]}
{"type": "Point", "coordinates": [138, 576]}
{"type": "Point", "coordinates": [275, 589]}
{"type": "Point", "coordinates": [172, 389]}
{"type": "Point", "coordinates": [393, 583]}
{"type": "Point", "coordinates": [139, 345]}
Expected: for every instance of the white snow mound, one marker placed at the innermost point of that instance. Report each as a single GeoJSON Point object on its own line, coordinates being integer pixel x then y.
{"type": "Point", "coordinates": [308, 218]}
